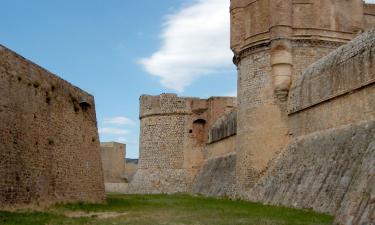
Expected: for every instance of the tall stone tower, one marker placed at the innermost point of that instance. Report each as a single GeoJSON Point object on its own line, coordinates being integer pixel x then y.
{"type": "Point", "coordinates": [273, 41]}
{"type": "Point", "coordinates": [174, 131]}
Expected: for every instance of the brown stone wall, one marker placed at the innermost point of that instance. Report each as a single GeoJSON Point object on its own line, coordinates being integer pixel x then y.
{"type": "Point", "coordinates": [113, 161]}
{"type": "Point", "coordinates": [49, 145]}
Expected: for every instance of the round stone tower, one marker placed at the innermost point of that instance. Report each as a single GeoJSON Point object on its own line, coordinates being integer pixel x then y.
{"type": "Point", "coordinates": [273, 42]}
{"type": "Point", "coordinates": [174, 132]}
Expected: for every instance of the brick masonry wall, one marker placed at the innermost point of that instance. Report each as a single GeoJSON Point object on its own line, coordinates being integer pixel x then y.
{"type": "Point", "coordinates": [49, 145]}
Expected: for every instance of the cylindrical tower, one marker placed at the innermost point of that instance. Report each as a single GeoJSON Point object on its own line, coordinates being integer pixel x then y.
{"type": "Point", "coordinates": [273, 41]}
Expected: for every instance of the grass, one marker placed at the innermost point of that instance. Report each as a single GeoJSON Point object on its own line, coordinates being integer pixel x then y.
{"type": "Point", "coordinates": [166, 210]}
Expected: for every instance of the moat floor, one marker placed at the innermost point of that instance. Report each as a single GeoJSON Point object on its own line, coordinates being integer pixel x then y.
{"type": "Point", "coordinates": [165, 210]}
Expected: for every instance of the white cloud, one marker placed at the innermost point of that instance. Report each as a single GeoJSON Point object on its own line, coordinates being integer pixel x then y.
{"type": "Point", "coordinates": [122, 139]}
{"type": "Point", "coordinates": [370, 1]}
{"type": "Point", "coordinates": [113, 131]}
{"type": "Point", "coordinates": [120, 120]}
{"type": "Point", "coordinates": [195, 42]}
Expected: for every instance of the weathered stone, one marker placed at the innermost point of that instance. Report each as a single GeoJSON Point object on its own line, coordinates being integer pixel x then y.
{"type": "Point", "coordinates": [49, 144]}
{"type": "Point", "coordinates": [217, 177]}
{"type": "Point", "coordinates": [273, 42]}
{"type": "Point", "coordinates": [331, 172]}
{"type": "Point", "coordinates": [172, 139]}
{"type": "Point", "coordinates": [113, 161]}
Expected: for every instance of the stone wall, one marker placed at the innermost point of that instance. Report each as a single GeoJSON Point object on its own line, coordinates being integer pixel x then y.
{"type": "Point", "coordinates": [113, 161]}
{"type": "Point", "coordinates": [330, 165]}
{"type": "Point", "coordinates": [49, 145]}
{"type": "Point", "coordinates": [330, 172]}
{"type": "Point", "coordinates": [130, 169]}
{"type": "Point", "coordinates": [336, 90]}
{"type": "Point", "coordinates": [273, 43]}
{"type": "Point", "coordinates": [224, 127]}
{"type": "Point", "coordinates": [174, 132]}
{"type": "Point", "coordinates": [217, 177]}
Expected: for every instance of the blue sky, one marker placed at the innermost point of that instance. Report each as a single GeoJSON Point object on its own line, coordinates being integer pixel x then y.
{"type": "Point", "coordinates": [120, 49]}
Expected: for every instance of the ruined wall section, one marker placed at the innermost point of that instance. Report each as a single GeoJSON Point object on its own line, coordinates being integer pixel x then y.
{"type": "Point", "coordinates": [113, 161]}
{"type": "Point", "coordinates": [49, 145]}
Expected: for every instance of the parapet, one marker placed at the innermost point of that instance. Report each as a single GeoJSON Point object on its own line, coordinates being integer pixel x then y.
{"type": "Point", "coordinates": [255, 22]}
{"type": "Point", "coordinates": [168, 104]}
{"type": "Point", "coordinates": [164, 104]}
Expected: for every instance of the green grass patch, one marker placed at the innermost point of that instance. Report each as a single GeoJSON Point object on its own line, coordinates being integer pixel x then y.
{"type": "Point", "coordinates": [167, 210]}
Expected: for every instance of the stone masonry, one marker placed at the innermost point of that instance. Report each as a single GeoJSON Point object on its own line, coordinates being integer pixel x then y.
{"type": "Point", "coordinates": [113, 161]}
{"type": "Point", "coordinates": [173, 136]}
{"type": "Point", "coordinates": [273, 42]}
{"type": "Point", "coordinates": [49, 145]}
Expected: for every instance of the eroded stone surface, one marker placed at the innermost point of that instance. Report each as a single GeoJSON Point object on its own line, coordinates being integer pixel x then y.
{"type": "Point", "coordinates": [49, 144]}
{"type": "Point", "coordinates": [331, 172]}
{"type": "Point", "coordinates": [217, 177]}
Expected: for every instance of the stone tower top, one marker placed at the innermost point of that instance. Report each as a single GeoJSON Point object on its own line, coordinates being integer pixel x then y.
{"type": "Point", "coordinates": [166, 104]}
{"type": "Point", "coordinates": [282, 24]}
{"type": "Point", "coordinates": [258, 21]}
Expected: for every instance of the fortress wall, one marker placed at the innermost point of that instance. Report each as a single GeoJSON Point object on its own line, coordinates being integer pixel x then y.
{"type": "Point", "coordinates": [272, 45]}
{"type": "Point", "coordinates": [336, 90]}
{"type": "Point", "coordinates": [220, 148]}
{"type": "Point", "coordinates": [330, 171]}
{"type": "Point", "coordinates": [330, 164]}
{"type": "Point", "coordinates": [225, 126]}
{"type": "Point", "coordinates": [172, 139]}
{"type": "Point", "coordinates": [259, 119]}
{"type": "Point", "coordinates": [217, 177]}
{"type": "Point", "coordinates": [49, 145]}
{"type": "Point", "coordinates": [162, 142]}
{"type": "Point", "coordinates": [113, 161]}
{"type": "Point", "coordinates": [262, 129]}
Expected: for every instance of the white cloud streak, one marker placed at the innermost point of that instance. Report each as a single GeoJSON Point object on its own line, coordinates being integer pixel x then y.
{"type": "Point", "coordinates": [195, 42]}
{"type": "Point", "coordinates": [113, 131]}
{"type": "Point", "coordinates": [120, 120]}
